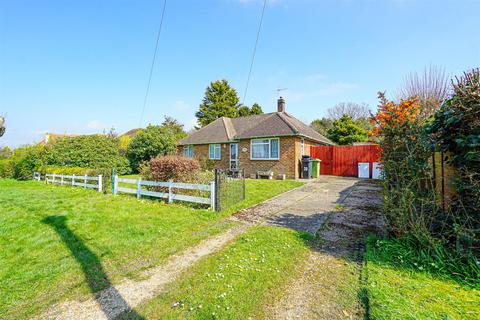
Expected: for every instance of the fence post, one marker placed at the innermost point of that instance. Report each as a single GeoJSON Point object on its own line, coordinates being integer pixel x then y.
{"type": "Point", "coordinates": [73, 179]}
{"type": "Point", "coordinates": [113, 180]}
{"type": "Point", "coordinates": [139, 187]}
{"type": "Point", "coordinates": [170, 195]}
{"type": "Point", "coordinates": [218, 207]}
{"type": "Point", "coordinates": [244, 184]}
{"type": "Point", "coordinates": [61, 179]}
{"type": "Point", "coordinates": [100, 183]}
{"type": "Point", "coordinates": [212, 195]}
{"type": "Point", "coordinates": [53, 178]}
{"type": "Point", "coordinates": [115, 184]}
{"type": "Point", "coordinates": [85, 182]}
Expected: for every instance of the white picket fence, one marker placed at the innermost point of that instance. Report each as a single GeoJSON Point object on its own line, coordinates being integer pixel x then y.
{"type": "Point", "coordinates": [73, 180]}
{"type": "Point", "coordinates": [170, 196]}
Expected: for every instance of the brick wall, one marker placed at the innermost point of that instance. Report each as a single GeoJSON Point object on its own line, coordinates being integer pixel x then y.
{"type": "Point", "coordinates": [286, 164]}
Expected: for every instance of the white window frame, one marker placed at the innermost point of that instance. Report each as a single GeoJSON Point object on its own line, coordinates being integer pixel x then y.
{"type": "Point", "coordinates": [252, 142]}
{"type": "Point", "coordinates": [188, 151]}
{"type": "Point", "coordinates": [216, 147]}
{"type": "Point", "coordinates": [302, 146]}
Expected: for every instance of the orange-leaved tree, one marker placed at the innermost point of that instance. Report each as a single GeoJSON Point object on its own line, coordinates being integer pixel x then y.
{"type": "Point", "coordinates": [405, 150]}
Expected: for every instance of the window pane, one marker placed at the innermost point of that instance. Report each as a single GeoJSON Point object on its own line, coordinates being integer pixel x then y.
{"type": "Point", "coordinates": [274, 148]}
{"type": "Point", "coordinates": [212, 151]}
{"type": "Point", "coordinates": [217, 151]}
{"type": "Point", "coordinates": [259, 141]}
{"type": "Point", "coordinates": [260, 151]}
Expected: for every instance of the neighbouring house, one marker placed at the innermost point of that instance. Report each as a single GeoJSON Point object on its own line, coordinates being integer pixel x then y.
{"type": "Point", "coordinates": [131, 133]}
{"type": "Point", "coordinates": [49, 137]}
{"type": "Point", "coordinates": [272, 142]}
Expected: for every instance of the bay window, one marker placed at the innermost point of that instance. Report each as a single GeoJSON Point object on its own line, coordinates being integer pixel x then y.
{"type": "Point", "coordinates": [214, 152]}
{"type": "Point", "coordinates": [265, 149]}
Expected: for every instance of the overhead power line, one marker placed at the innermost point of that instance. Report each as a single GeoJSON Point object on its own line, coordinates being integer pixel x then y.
{"type": "Point", "coordinates": [153, 64]}
{"type": "Point", "coordinates": [254, 50]}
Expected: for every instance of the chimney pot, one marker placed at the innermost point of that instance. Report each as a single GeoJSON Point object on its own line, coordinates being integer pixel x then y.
{"type": "Point", "coordinates": [281, 105]}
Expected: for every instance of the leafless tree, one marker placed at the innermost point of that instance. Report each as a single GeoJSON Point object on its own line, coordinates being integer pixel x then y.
{"type": "Point", "coordinates": [2, 126]}
{"type": "Point", "coordinates": [430, 87]}
{"type": "Point", "coordinates": [352, 109]}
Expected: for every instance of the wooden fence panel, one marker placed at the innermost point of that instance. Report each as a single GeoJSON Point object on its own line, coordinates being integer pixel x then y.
{"type": "Point", "coordinates": [324, 153]}
{"type": "Point", "coordinates": [343, 160]}
{"type": "Point", "coordinates": [171, 186]}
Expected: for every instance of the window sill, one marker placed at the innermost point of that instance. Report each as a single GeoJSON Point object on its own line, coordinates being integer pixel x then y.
{"type": "Point", "coordinates": [270, 159]}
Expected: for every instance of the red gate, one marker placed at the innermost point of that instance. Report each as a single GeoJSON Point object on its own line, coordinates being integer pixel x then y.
{"type": "Point", "coordinates": [343, 160]}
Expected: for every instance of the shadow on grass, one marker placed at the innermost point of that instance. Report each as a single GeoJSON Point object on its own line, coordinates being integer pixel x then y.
{"type": "Point", "coordinates": [110, 300]}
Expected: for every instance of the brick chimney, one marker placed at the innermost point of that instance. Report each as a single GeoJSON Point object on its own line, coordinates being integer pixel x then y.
{"type": "Point", "coordinates": [281, 105]}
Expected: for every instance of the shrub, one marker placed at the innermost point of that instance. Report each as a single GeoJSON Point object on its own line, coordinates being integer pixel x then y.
{"type": "Point", "coordinates": [176, 168]}
{"type": "Point", "coordinates": [409, 204]}
{"type": "Point", "coordinates": [345, 131]}
{"type": "Point", "coordinates": [149, 143]}
{"type": "Point", "coordinates": [456, 130]}
{"type": "Point", "coordinates": [205, 163]}
{"type": "Point", "coordinates": [26, 160]}
{"type": "Point", "coordinates": [92, 151]}
{"type": "Point", "coordinates": [7, 168]}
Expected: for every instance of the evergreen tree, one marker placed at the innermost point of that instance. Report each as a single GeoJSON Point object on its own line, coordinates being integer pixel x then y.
{"type": "Point", "coordinates": [345, 131]}
{"type": "Point", "coordinates": [256, 109]}
{"type": "Point", "coordinates": [220, 100]}
{"type": "Point", "coordinates": [244, 111]}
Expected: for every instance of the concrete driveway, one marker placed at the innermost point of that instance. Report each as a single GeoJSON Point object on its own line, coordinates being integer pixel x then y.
{"type": "Point", "coordinates": [306, 208]}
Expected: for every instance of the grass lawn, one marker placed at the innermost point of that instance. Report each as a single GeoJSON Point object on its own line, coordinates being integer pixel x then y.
{"type": "Point", "coordinates": [59, 242]}
{"type": "Point", "coordinates": [403, 293]}
{"type": "Point", "coordinates": [259, 190]}
{"type": "Point", "coordinates": [236, 282]}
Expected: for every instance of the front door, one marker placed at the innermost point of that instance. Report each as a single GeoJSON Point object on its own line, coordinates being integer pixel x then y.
{"type": "Point", "coordinates": [234, 156]}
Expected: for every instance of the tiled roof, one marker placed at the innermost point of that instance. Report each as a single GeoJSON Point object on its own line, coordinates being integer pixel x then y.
{"type": "Point", "coordinates": [257, 126]}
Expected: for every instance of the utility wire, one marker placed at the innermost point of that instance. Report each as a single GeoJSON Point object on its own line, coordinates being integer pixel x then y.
{"type": "Point", "coordinates": [153, 64]}
{"type": "Point", "coordinates": [254, 51]}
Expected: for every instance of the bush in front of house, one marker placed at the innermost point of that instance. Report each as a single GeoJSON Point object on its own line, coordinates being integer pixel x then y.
{"type": "Point", "coordinates": [151, 142]}
{"type": "Point", "coordinates": [92, 151]}
{"type": "Point", "coordinates": [173, 167]}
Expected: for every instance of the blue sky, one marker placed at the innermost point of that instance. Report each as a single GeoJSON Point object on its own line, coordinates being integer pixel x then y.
{"type": "Point", "coordinates": [82, 66]}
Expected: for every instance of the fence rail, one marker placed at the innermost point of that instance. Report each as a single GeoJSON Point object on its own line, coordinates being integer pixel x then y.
{"type": "Point", "coordinates": [170, 186]}
{"type": "Point", "coordinates": [72, 180]}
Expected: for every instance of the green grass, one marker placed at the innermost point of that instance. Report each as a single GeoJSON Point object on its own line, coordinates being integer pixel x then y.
{"type": "Point", "coordinates": [234, 283]}
{"type": "Point", "coordinates": [395, 290]}
{"type": "Point", "coordinates": [59, 242]}
{"type": "Point", "coordinates": [258, 190]}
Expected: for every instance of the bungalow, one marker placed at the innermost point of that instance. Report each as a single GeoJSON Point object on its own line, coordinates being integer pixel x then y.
{"type": "Point", "coordinates": [272, 142]}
